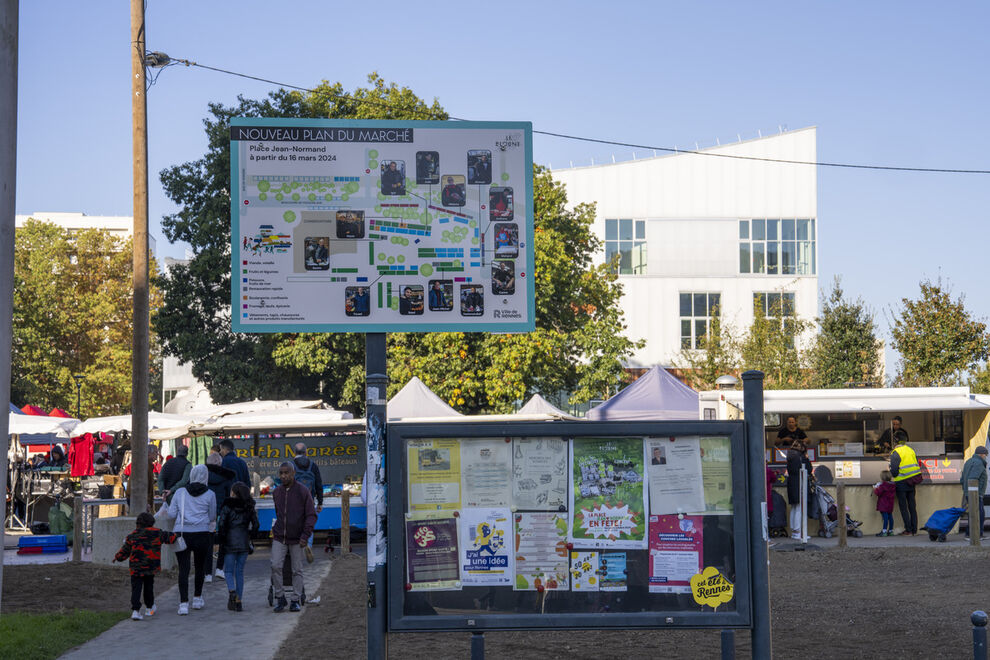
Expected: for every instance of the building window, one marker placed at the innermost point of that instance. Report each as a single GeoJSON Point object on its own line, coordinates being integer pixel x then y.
{"type": "Point", "coordinates": [774, 303]}
{"type": "Point", "coordinates": [950, 430]}
{"type": "Point", "coordinates": [777, 246]}
{"type": "Point", "coordinates": [625, 242]}
{"type": "Point", "coordinates": [710, 414]}
{"type": "Point", "coordinates": [697, 310]}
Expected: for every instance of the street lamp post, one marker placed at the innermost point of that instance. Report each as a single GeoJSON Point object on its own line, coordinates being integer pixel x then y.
{"type": "Point", "coordinates": [79, 381]}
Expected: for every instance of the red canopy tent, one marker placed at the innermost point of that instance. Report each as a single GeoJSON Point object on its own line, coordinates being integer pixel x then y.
{"type": "Point", "coordinates": [33, 410]}
{"type": "Point", "coordinates": [58, 412]}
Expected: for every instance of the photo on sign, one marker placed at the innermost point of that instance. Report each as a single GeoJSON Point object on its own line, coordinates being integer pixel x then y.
{"type": "Point", "coordinates": [503, 278]}
{"type": "Point", "coordinates": [472, 300]}
{"type": "Point", "coordinates": [350, 224]}
{"type": "Point", "coordinates": [393, 177]}
{"type": "Point", "coordinates": [506, 240]}
{"type": "Point", "coordinates": [659, 455]}
{"type": "Point", "coordinates": [317, 252]}
{"type": "Point", "coordinates": [479, 166]}
{"type": "Point", "coordinates": [357, 301]}
{"type": "Point", "coordinates": [411, 300]}
{"type": "Point", "coordinates": [427, 167]}
{"type": "Point", "coordinates": [454, 192]}
{"type": "Point", "coordinates": [433, 460]}
{"type": "Point", "coordinates": [441, 295]}
{"type": "Point", "coordinates": [499, 203]}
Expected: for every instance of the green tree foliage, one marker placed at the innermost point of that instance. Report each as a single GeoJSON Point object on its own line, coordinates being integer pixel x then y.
{"type": "Point", "coordinates": [938, 339]}
{"type": "Point", "coordinates": [717, 356]}
{"type": "Point", "coordinates": [979, 379]}
{"type": "Point", "coordinates": [847, 349]}
{"type": "Point", "coordinates": [772, 345]}
{"type": "Point", "coordinates": [73, 315]}
{"type": "Point", "coordinates": [195, 320]}
{"type": "Point", "coordinates": [577, 346]}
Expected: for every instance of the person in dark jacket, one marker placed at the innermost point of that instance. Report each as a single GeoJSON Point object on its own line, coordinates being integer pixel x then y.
{"type": "Point", "coordinates": [233, 462]}
{"type": "Point", "coordinates": [797, 460]}
{"type": "Point", "coordinates": [175, 473]}
{"type": "Point", "coordinates": [790, 432]}
{"type": "Point", "coordinates": [975, 468]}
{"type": "Point", "coordinates": [295, 517]}
{"type": "Point", "coordinates": [142, 549]}
{"type": "Point", "coordinates": [302, 462]}
{"type": "Point", "coordinates": [58, 459]}
{"type": "Point", "coordinates": [238, 519]}
{"type": "Point", "coordinates": [219, 481]}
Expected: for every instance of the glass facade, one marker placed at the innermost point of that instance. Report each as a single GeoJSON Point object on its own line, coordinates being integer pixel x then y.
{"type": "Point", "coordinates": [772, 246]}
{"type": "Point", "coordinates": [625, 245]}
{"type": "Point", "coordinates": [696, 312]}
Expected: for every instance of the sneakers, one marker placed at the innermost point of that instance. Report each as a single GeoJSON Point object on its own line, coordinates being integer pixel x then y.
{"type": "Point", "coordinates": [238, 606]}
{"type": "Point", "coordinates": [198, 602]}
{"type": "Point", "coordinates": [219, 574]}
{"type": "Point", "coordinates": [294, 607]}
{"type": "Point", "coordinates": [280, 607]}
{"type": "Point", "coordinates": [150, 611]}
{"type": "Point", "coordinates": [208, 579]}
{"type": "Point", "coordinates": [183, 609]}
{"type": "Point", "coordinates": [136, 615]}
{"type": "Point", "coordinates": [232, 601]}
{"type": "Point", "coordinates": [882, 534]}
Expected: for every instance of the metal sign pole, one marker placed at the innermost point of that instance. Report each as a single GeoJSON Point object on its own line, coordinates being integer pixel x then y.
{"type": "Point", "coordinates": [759, 556]}
{"type": "Point", "coordinates": [376, 497]}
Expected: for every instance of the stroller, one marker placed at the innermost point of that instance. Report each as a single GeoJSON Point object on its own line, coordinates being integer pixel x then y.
{"type": "Point", "coordinates": [777, 524]}
{"type": "Point", "coordinates": [940, 523]}
{"type": "Point", "coordinates": [828, 516]}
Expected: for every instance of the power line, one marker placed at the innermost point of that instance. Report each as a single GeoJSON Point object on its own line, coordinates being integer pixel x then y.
{"type": "Point", "coordinates": [579, 138]}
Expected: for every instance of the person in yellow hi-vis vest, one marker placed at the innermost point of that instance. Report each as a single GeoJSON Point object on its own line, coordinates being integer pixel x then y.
{"type": "Point", "coordinates": [906, 470]}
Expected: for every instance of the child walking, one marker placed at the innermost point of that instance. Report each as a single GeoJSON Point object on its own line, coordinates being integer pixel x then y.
{"type": "Point", "coordinates": [143, 547]}
{"type": "Point", "coordinates": [235, 524]}
{"type": "Point", "coordinates": [886, 496]}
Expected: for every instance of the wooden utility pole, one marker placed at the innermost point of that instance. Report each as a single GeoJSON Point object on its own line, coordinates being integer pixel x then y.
{"type": "Point", "coordinates": [8, 178]}
{"type": "Point", "coordinates": [840, 505]}
{"type": "Point", "coordinates": [139, 358]}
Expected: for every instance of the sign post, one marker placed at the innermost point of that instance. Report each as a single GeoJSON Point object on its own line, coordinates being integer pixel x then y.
{"type": "Point", "coordinates": [376, 497]}
{"type": "Point", "coordinates": [759, 554]}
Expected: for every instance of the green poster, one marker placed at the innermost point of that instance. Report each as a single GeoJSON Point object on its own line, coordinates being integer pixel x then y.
{"type": "Point", "coordinates": [608, 500]}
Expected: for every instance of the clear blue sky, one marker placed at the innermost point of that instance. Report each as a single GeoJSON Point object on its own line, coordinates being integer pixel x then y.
{"type": "Point", "coordinates": [894, 83]}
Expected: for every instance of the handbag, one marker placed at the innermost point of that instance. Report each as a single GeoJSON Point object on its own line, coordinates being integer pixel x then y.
{"type": "Point", "coordinates": [180, 543]}
{"type": "Point", "coordinates": [916, 479]}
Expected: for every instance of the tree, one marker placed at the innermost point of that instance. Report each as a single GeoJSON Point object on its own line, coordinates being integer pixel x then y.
{"type": "Point", "coordinates": [73, 315]}
{"type": "Point", "coordinates": [937, 338]}
{"type": "Point", "coordinates": [195, 320]}
{"type": "Point", "coordinates": [847, 349]}
{"type": "Point", "coordinates": [979, 379]}
{"type": "Point", "coordinates": [771, 346]}
{"type": "Point", "coordinates": [718, 355]}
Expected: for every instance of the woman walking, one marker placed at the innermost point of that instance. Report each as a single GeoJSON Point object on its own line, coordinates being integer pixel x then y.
{"type": "Point", "coordinates": [235, 524]}
{"type": "Point", "coordinates": [194, 508]}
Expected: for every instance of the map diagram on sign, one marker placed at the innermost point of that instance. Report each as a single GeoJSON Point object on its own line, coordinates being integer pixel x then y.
{"type": "Point", "coordinates": [423, 226]}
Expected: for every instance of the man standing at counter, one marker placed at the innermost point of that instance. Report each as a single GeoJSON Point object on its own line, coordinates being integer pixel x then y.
{"type": "Point", "coordinates": [787, 435]}
{"type": "Point", "coordinates": [975, 468]}
{"type": "Point", "coordinates": [885, 443]}
{"type": "Point", "coordinates": [907, 474]}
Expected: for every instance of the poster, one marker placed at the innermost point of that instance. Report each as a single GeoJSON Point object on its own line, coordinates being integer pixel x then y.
{"type": "Point", "coordinates": [486, 472]}
{"type": "Point", "coordinates": [584, 570]}
{"type": "Point", "coordinates": [539, 474]}
{"type": "Point", "coordinates": [541, 552]}
{"type": "Point", "coordinates": [676, 484]}
{"type": "Point", "coordinates": [486, 548]}
{"type": "Point", "coordinates": [431, 552]}
{"type": "Point", "coordinates": [676, 552]}
{"type": "Point", "coordinates": [434, 474]}
{"type": "Point", "coordinates": [608, 501]}
{"type": "Point", "coordinates": [390, 225]}
{"type": "Point", "coordinates": [716, 473]}
{"type": "Point", "coordinates": [613, 571]}
{"type": "Point", "coordinates": [847, 470]}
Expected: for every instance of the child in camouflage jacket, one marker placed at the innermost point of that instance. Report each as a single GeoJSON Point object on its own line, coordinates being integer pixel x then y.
{"type": "Point", "coordinates": [143, 549]}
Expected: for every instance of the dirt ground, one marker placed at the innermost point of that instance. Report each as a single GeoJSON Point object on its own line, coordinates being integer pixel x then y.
{"type": "Point", "coordinates": [909, 602]}
{"type": "Point", "coordinates": [60, 587]}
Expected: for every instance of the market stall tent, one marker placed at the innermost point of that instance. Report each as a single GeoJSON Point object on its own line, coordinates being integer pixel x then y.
{"type": "Point", "coordinates": [58, 412]}
{"type": "Point", "coordinates": [538, 405]}
{"type": "Point", "coordinates": [160, 425]}
{"type": "Point", "coordinates": [33, 410]}
{"type": "Point", "coordinates": [416, 400]}
{"type": "Point", "coordinates": [59, 427]}
{"type": "Point", "coordinates": [656, 395]}
{"type": "Point", "coordinates": [14, 409]}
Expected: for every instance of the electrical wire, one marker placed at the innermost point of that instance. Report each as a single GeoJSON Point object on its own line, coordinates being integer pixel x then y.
{"type": "Point", "coordinates": [433, 115]}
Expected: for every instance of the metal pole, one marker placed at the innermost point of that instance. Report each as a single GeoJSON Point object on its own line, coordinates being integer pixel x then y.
{"type": "Point", "coordinates": [477, 646]}
{"type": "Point", "coordinates": [345, 521]}
{"type": "Point", "coordinates": [840, 516]}
{"type": "Point", "coordinates": [804, 504]}
{"type": "Point", "coordinates": [979, 619]}
{"type": "Point", "coordinates": [975, 530]}
{"type": "Point", "coordinates": [728, 644]}
{"type": "Point", "coordinates": [376, 381]}
{"type": "Point", "coordinates": [8, 179]}
{"type": "Point", "coordinates": [140, 350]}
{"type": "Point", "coordinates": [77, 526]}
{"type": "Point", "coordinates": [756, 473]}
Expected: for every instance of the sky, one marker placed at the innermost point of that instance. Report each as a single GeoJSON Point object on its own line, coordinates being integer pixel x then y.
{"type": "Point", "coordinates": [900, 84]}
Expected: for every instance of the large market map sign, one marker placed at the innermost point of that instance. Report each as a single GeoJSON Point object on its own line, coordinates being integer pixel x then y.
{"type": "Point", "coordinates": [381, 226]}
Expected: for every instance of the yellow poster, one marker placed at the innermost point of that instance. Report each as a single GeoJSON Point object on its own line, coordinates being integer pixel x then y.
{"type": "Point", "coordinates": [434, 474]}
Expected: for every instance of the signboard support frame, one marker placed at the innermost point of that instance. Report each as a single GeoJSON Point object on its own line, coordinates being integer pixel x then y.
{"type": "Point", "coordinates": [376, 382]}
{"type": "Point", "coordinates": [759, 554]}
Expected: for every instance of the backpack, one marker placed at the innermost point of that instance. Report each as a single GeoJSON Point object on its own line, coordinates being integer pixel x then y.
{"type": "Point", "coordinates": [307, 478]}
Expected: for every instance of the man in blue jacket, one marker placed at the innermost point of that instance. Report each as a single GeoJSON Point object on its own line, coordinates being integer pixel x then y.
{"type": "Point", "coordinates": [233, 463]}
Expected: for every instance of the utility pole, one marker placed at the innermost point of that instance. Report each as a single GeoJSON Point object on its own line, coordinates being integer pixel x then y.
{"type": "Point", "coordinates": [139, 358]}
{"type": "Point", "coordinates": [8, 178]}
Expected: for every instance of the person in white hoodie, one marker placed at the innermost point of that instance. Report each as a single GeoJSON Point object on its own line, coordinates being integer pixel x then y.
{"type": "Point", "coordinates": [194, 508]}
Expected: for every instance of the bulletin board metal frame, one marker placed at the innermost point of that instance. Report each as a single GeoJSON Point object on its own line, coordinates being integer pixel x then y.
{"type": "Point", "coordinates": [736, 431]}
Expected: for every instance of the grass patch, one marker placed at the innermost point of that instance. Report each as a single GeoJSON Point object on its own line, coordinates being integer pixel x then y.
{"type": "Point", "coordinates": [45, 636]}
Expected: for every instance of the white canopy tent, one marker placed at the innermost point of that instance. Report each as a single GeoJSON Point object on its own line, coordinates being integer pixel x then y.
{"type": "Point", "coordinates": [60, 427]}
{"type": "Point", "coordinates": [416, 400]}
{"type": "Point", "coordinates": [161, 426]}
{"type": "Point", "coordinates": [281, 419]}
{"type": "Point", "coordinates": [537, 405]}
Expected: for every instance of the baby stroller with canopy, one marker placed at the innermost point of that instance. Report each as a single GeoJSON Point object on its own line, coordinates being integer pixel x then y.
{"type": "Point", "coordinates": [828, 516]}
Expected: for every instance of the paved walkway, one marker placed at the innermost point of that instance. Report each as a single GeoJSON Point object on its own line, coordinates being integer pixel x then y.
{"type": "Point", "coordinates": [212, 632]}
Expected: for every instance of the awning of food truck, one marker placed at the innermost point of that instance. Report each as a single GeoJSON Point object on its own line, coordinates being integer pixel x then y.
{"type": "Point", "coordinates": [903, 399]}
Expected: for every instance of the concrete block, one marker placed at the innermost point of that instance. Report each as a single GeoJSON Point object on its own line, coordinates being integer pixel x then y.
{"type": "Point", "coordinates": [108, 536]}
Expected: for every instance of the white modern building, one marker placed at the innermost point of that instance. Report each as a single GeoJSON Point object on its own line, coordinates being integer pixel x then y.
{"type": "Point", "coordinates": [724, 229]}
{"type": "Point", "coordinates": [121, 226]}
